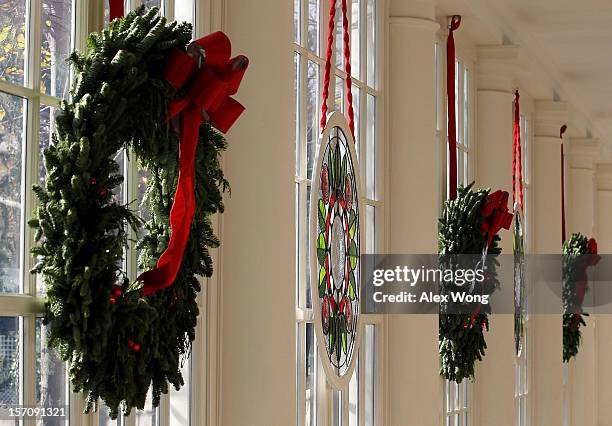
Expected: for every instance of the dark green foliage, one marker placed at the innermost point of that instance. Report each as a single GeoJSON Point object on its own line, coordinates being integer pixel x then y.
{"type": "Point", "coordinates": [461, 336]}
{"type": "Point", "coordinates": [574, 250]}
{"type": "Point", "coordinates": [119, 101]}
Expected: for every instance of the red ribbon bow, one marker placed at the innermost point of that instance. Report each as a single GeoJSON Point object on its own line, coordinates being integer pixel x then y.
{"type": "Point", "coordinates": [209, 78]}
{"type": "Point", "coordinates": [495, 215]}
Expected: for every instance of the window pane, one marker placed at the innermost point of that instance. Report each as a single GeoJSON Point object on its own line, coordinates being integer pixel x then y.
{"type": "Point", "coordinates": [184, 10]}
{"type": "Point", "coordinates": [151, 3]}
{"type": "Point", "coordinates": [338, 37]}
{"type": "Point", "coordinates": [356, 101]}
{"type": "Point", "coordinates": [311, 377]}
{"type": "Point", "coordinates": [354, 397]}
{"type": "Point", "coordinates": [370, 174]}
{"type": "Point", "coordinates": [180, 409]}
{"type": "Point", "coordinates": [9, 360]}
{"type": "Point", "coordinates": [148, 416]}
{"type": "Point", "coordinates": [337, 408]}
{"type": "Point", "coordinates": [55, 47]}
{"type": "Point", "coordinates": [47, 126]}
{"type": "Point", "coordinates": [370, 229]}
{"type": "Point", "coordinates": [298, 94]}
{"type": "Point", "coordinates": [339, 95]}
{"type": "Point", "coordinates": [296, 21]}
{"type": "Point", "coordinates": [371, 42]}
{"type": "Point", "coordinates": [105, 420]}
{"type": "Point", "coordinates": [306, 249]}
{"type": "Point", "coordinates": [313, 26]}
{"type": "Point", "coordinates": [355, 38]}
{"type": "Point", "coordinates": [370, 373]}
{"type": "Point", "coordinates": [51, 378]}
{"type": "Point", "coordinates": [12, 133]}
{"type": "Point", "coordinates": [312, 114]}
{"type": "Point", "coordinates": [12, 40]}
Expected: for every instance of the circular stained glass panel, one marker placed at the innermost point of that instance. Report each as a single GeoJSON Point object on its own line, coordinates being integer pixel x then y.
{"type": "Point", "coordinates": [519, 279]}
{"type": "Point", "coordinates": [335, 248]}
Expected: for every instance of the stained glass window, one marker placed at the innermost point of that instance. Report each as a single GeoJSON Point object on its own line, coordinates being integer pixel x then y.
{"type": "Point", "coordinates": [338, 247]}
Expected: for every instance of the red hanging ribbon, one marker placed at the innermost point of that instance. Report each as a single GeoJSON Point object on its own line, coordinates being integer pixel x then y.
{"type": "Point", "coordinates": [347, 65]}
{"type": "Point", "coordinates": [211, 78]}
{"type": "Point", "coordinates": [495, 214]}
{"type": "Point", "coordinates": [516, 153]}
{"type": "Point", "coordinates": [115, 9]}
{"type": "Point", "coordinates": [563, 235]}
{"type": "Point", "coordinates": [455, 22]}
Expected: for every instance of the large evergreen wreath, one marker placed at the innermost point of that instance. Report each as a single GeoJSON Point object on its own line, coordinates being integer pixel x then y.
{"type": "Point", "coordinates": [578, 253]}
{"type": "Point", "coordinates": [469, 224]}
{"type": "Point", "coordinates": [118, 343]}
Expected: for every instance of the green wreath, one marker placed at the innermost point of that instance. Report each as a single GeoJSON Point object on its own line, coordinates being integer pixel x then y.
{"type": "Point", "coordinates": [116, 342]}
{"type": "Point", "coordinates": [578, 253]}
{"type": "Point", "coordinates": [463, 230]}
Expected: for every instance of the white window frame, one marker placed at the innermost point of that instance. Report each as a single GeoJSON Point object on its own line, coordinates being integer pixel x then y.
{"type": "Point", "coordinates": [326, 414]}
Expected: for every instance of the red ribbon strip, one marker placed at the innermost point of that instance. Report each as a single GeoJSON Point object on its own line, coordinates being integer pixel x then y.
{"type": "Point", "coordinates": [455, 22]}
{"type": "Point", "coordinates": [563, 235]}
{"type": "Point", "coordinates": [495, 214]}
{"type": "Point", "coordinates": [115, 8]}
{"type": "Point", "coordinates": [516, 153]}
{"type": "Point", "coordinates": [210, 78]}
{"type": "Point", "coordinates": [347, 65]}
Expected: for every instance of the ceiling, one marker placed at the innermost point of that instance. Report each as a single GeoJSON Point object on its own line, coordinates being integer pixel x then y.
{"type": "Point", "coordinates": [568, 45]}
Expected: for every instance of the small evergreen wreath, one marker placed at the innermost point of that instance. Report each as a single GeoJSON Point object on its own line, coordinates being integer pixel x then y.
{"type": "Point", "coordinates": [116, 341]}
{"type": "Point", "coordinates": [578, 253]}
{"type": "Point", "coordinates": [469, 224]}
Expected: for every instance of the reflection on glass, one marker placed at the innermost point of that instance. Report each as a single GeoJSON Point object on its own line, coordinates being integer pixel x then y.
{"type": "Point", "coordinates": [12, 133]}
{"type": "Point", "coordinates": [312, 114]}
{"type": "Point", "coordinates": [12, 40]}
{"type": "Point", "coordinates": [55, 47]}
{"type": "Point", "coordinates": [311, 377]}
{"type": "Point", "coordinates": [180, 409]}
{"type": "Point", "coordinates": [353, 402]}
{"type": "Point", "coordinates": [9, 360]}
{"type": "Point", "coordinates": [51, 378]}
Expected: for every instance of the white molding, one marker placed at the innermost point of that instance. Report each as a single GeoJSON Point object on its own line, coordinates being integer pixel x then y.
{"type": "Point", "coordinates": [582, 153]}
{"type": "Point", "coordinates": [497, 67]}
{"type": "Point", "coordinates": [415, 23]}
{"type": "Point", "coordinates": [549, 117]}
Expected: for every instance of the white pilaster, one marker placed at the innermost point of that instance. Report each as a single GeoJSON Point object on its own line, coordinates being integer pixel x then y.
{"type": "Point", "coordinates": [413, 198]}
{"type": "Point", "coordinates": [495, 85]}
{"type": "Point", "coordinates": [548, 371]}
{"type": "Point", "coordinates": [603, 179]}
{"type": "Point", "coordinates": [580, 209]}
{"type": "Point", "coordinates": [496, 74]}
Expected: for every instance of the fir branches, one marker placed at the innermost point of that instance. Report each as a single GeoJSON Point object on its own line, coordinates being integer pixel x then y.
{"type": "Point", "coordinates": [117, 343]}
